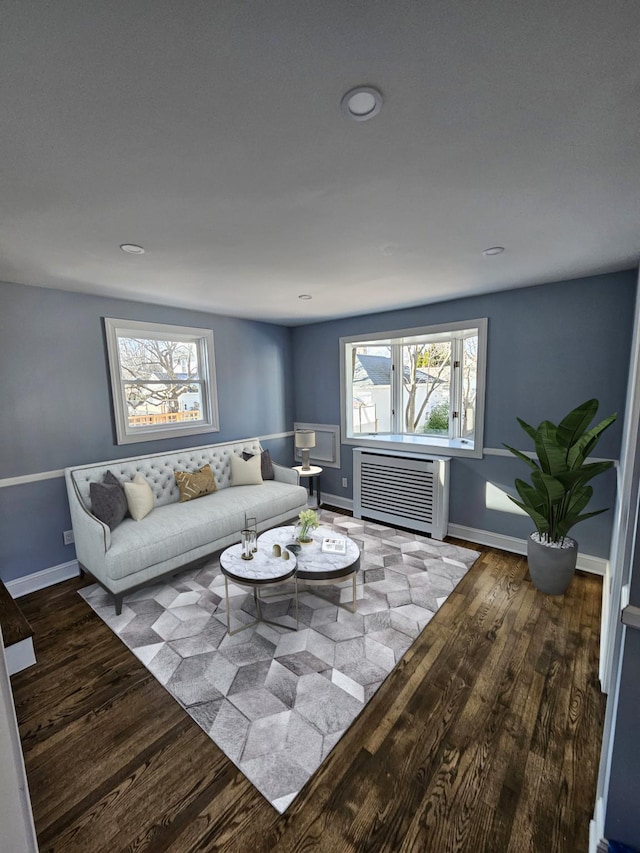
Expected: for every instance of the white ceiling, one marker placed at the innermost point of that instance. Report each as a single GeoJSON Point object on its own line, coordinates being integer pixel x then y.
{"type": "Point", "coordinates": [210, 132]}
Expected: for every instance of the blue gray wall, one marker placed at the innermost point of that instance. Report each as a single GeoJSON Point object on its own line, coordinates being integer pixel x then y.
{"type": "Point", "coordinates": [550, 347]}
{"type": "Point", "coordinates": [55, 407]}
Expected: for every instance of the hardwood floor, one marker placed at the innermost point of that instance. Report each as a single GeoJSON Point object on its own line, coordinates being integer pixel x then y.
{"type": "Point", "coordinates": [486, 737]}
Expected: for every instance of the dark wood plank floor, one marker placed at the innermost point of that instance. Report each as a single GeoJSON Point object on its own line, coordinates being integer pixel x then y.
{"type": "Point", "coordinates": [485, 738]}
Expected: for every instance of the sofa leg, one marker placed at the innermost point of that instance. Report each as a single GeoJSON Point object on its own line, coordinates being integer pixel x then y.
{"type": "Point", "coordinates": [118, 603]}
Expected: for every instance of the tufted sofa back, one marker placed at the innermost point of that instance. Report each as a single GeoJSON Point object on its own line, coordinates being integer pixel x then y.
{"type": "Point", "coordinates": [159, 468]}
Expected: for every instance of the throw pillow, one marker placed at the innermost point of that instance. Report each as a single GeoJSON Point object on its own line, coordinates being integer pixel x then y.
{"type": "Point", "coordinates": [195, 484]}
{"type": "Point", "coordinates": [245, 473]}
{"type": "Point", "coordinates": [108, 500]}
{"type": "Point", "coordinates": [266, 465]}
{"type": "Point", "coordinates": [139, 497]}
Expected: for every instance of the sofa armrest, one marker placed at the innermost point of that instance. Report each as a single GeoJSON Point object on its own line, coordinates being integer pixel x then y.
{"type": "Point", "coordinates": [285, 475]}
{"type": "Point", "coordinates": [92, 537]}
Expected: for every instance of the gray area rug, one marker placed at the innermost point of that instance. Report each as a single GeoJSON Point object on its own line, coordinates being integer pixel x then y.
{"type": "Point", "coordinates": [276, 701]}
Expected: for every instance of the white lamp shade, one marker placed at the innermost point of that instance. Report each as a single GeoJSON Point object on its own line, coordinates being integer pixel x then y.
{"type": "Point", "coordinates": [305, 438]}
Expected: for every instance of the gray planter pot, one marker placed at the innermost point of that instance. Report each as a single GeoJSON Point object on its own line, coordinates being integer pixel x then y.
{"type": "Point", "coordinates": [551, 569]}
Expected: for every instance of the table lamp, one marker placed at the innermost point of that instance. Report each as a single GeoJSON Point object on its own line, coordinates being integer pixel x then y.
{"type": "Point", "coordinates": [305, 438]}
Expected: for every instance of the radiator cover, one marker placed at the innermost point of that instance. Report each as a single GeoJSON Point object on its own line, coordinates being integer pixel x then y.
{"type": "Point", "coordinates": [407, 489]}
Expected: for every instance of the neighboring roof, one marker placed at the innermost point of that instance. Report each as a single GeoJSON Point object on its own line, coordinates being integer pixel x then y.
{"type": "Point", "coordinates": [376, 370]}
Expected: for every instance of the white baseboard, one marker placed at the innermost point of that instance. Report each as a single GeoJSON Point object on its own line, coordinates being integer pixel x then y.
{"type": "Point", "coordinates": [336, 500]}
{"type": "Point", "coordinates": [596, 827]}
{"type": "Point", "coordinates": [586, 562]}
{"type": "Point", "coordinates": [42, 579]}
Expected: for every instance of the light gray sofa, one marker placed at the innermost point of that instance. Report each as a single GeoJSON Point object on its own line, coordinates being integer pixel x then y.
{"type": "Point", "coordinates": [136, 553]}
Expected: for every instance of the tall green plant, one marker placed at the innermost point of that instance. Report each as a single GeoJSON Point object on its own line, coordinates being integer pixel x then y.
{"type": "Point", "coordinates": [558, 494]}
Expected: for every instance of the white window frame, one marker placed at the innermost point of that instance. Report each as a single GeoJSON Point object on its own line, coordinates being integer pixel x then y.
{"type": "Point", "coordinates": [456, 446]}
{"type": "Point", "coordinates": [203, 338]}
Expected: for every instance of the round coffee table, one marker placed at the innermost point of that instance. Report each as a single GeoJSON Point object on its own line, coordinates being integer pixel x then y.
{"type": "Point", "coordinates": [315, 566]}
{"type": "Point", "coordinates": [262, 571]}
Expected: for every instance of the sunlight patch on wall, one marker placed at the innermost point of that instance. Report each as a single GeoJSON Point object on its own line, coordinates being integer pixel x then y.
{"type": "Point", "coordinates": [496, 498]}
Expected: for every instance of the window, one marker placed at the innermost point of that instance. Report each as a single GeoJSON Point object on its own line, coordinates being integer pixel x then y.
{"type": "Point", "coordinates": [162, 379]}
{"type": "Point", "coordinates": [417, 387]}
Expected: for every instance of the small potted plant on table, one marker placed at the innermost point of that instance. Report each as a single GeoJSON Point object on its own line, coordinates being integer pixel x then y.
{"type": "Point", "coordinates": [558, 492]}
{"type": "Point", "coordinates": [308, 521]}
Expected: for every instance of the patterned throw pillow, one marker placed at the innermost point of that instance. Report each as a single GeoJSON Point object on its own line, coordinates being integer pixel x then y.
{"type": "Point", "coordinates": [266, 465]}
{"type": "Point", "coordinates": [108, 500]}
{"type": "Point", "coordinates": [195, 484]}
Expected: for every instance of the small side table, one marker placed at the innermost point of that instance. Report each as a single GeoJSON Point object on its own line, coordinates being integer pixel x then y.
{"type": "Point", "coordinates": [262, 571]}
{"type": "Point", "coordinates": [312, 473]}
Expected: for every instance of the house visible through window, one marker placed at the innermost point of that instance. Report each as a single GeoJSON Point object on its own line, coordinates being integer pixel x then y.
{"type": "Point", "coordinates": [421, 387]}
{"type": "Point", "coordinates": [162, 379]}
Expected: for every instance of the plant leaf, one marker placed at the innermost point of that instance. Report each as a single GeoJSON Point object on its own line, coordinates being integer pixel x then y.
{"type": "Point", "coordinates": [552, 489]}
{"type": "Point", "coordinates": [532, 432]}
{"type": "Point", "coordinates": [579, 500]}
{"type": "Point", "coordinates": [552, 457]}
{"type": "Point", "coordinates": [566, 525]}
{"type": "Point", "coordinates": [584, 446]}
{"type": "Point", "coordinates": [530, 496]}
{"type": "Point", "coordinates": [580, 476]}
{"type": "Point", "coordinates": [541, 523]}
{"type": "Point", "coordinates": [576, 422]}
{"type": "Point", "coordinates": [523, 457]}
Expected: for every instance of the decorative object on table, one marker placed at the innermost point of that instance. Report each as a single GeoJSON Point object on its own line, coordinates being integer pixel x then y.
{"type": "Point", "coordinates": [252, 525]}
{"type": "Point", "coordinates": [285, 554]}
{"type": "Point", "coordinates": [308, 521]}
{"type": "Point", "coordinates": [334, 546]}
{"type": "Point", "coordinates": [247, 547]}
{"type": "Point", "coordinates": [305, 439]}
{"type": "Point", "coordinates": [278, 719]}
{"type": "Point", "coordinates": [294, 547]}
{"type": "Point", "coordinates": [276, 550]}
{"type": "Point", "coordinates": [558, 494]}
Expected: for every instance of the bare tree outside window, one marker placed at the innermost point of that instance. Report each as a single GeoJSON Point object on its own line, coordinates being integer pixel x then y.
{"type": "Point", "coordinates": [469, 383]}
{"type": "Point", "coordinates": [417, 388]}
{"type": "Point", "coordinates": [424, 366]}
{"type": "Point", "coordinates": [157, 377]}
{"type": "Point", "coordinates": [162, 380]}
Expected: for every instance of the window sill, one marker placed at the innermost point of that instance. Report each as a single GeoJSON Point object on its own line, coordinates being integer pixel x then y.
{"type": "Point", "coordinates": [167, 432]}
{"type": "Point", "coordinates": [417, 443]}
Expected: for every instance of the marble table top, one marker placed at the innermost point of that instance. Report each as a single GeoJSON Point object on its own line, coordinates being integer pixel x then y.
{"type": "Point", "coordinates": [263, 569]}
{"type": "Point", "coordinates": [313, 562]}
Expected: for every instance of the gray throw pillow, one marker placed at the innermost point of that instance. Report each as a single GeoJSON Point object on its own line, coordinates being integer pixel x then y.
{"type": "Point", "coordinates": [266, 465]}
{"type": "Point", "coordinates": [108, 500]}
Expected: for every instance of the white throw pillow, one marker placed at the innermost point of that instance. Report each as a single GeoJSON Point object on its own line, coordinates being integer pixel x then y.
{"type": "Point", "coordinates": [245, 473]}
{"type": "Point", "coordinates": [139, 497]}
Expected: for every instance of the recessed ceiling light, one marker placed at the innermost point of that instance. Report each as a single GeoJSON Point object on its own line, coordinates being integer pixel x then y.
{"type": "Point", "coordinates": [494, 250]}
{"type": "Point", "coordinates": [305, 296]}
{"type": "Point", "coordinates": [132, 249]}
{"type": "Point", "coordinates": [361, 103]}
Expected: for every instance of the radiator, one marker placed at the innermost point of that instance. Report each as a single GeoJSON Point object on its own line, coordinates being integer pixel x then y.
{"type": "Point", "coordinates": [408, 490]}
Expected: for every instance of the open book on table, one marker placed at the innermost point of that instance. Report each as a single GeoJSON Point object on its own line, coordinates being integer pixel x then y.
{"type": "Point", "coordinates": [334, 546]}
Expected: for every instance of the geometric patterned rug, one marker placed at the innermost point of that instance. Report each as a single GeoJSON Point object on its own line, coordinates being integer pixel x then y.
{"type": "Point", "coordinates": [276, 701]}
